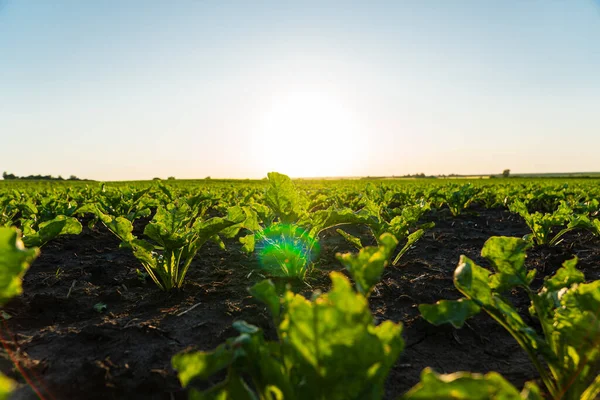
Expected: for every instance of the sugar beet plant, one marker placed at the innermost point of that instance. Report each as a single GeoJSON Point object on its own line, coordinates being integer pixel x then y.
{"type": "Point", "coordinates": [175, 235]}
{"type": "Point", "coordinates": [39, 223]}
{"type": "Point", "coordinates": [566, 352]}
{"type": "Point", "coordinates": [14, 262]}
{"type": "Point", "coordinates": [285, 234]}
{"type": "Point", "coordinates": [38, 234]}
{"type": "Point", "coordinates": [469, 386]}
{"type": "Point", "coordinates": [374, 216]}
{"type": "Point", "coordinates": [367, 266]}
{"type": "Point", "coordinates": [326, 348]}
{"type": "Point", "coordinates": [282, 245]}
{"type": "Point", "coordinates": [126, 202]}
{"type": "Point", "coordinates": [459, 199]}
{"type": "Point", "coordinates": [542, 224]}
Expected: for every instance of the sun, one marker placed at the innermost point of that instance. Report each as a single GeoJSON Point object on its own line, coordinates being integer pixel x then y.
{"type": "Point", "coordinates": [307, 133]}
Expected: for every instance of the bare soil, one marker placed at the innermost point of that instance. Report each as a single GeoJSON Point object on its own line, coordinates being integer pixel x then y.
{"type": "Point", "coordinates": [58, 345]}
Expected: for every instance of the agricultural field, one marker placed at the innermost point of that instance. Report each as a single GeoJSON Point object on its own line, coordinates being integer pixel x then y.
{"type": "Point", "coordinates": [281, 289]}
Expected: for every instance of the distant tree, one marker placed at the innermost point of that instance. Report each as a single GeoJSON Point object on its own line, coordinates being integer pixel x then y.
{"type": "Point", "coordinates": [171, 178]}
{"type": "Point", "coordinates": [156, 179]}
{"type": "Point", "coordinates": [208, 177]}
{"type": "Point", "coordinates": [8, 176]}
{"type": "Point", "coordinates": [506, 173]}
{"type": "Point", "coordinates": [73, 178]}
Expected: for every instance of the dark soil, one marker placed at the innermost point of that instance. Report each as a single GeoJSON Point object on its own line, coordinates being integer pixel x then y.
{"type": "Point", "coordinates": [66, 349]}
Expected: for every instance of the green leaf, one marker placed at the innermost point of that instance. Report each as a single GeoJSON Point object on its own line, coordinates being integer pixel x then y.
{"type": "Point", "coordinates": [526, 335]}
{"type": "Point", "coordinates": [465, 386]}
{"type": "Point", "coordinates": [61, 225]}
{"type": "Point", "coordinates": [245, 218]}
{"type": "Point", "coordinates": [167, 191]}
{"type": "Point", "coordinates": [472, 281]}
{"type": "Point", "coordinates": [335, 329]}
{"type": "Point", "coordinates": [248, 242]}
{"type": "Point", "coordinates": [206, 229]}
{"type": "Point", "coordinates": [454, 312]}
{"type": "Point", "coordinates": [507, 255]}
{"type": "Point", "coordinates": [265, 292]}
{"type": "Point", "coordinates": [410, 241]}
{"type": "Point", "coordinates": [331, 217]}
{"type": "Point", "coordinates": [353, 240]}
{"type": "Point", "coordinates": [144, 252]}
{"type": "Point", "coordinates": [578, 318]}
{"type": "Point", "coordinates": [14, 262]}
{"type": "Point", "coordinates": [168, 227]}
{"type": "Point", "coordinates": [122, 228]}
{"type": "Point", "coordinates": [234, 388]}
{"type": "Point", "coordinates": [283, 198]}
{"type": "Point", "coordinates": [367, 266]}
{"type": "Point", "coordinates": [592, 392]}
{"type": "Point", "coordinates": [577, 331]}
{"type": "Point", "coordinates": [201, 364]}
{"type": "Point", "coordinates": [596, 227]}
{"type": "Point", "coordinates": [218, 241]}
{"type": "Point", "coordinates": [565, 276]}
{"type": "Point", "coordinates": [6, 387]}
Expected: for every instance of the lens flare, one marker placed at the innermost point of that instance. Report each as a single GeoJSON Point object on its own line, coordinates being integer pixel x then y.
{"type": "Point", "coordinates": [286, 250]}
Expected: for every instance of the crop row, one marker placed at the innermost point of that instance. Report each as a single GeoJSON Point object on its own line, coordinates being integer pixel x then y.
{"type": "Point", "coordinates": [281, 223]}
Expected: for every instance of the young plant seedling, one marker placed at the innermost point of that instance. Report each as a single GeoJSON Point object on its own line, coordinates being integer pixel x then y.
{"type": "Point", "coordinates": [566, 353]}
{"type": "Point", "coordinates": [15, 259]}
{"type": "Point", "coordinates": [327, 348]}
{"type": "Point", "coordinates": [541, 225]}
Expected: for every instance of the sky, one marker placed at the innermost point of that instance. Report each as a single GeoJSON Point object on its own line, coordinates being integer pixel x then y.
{"type": "Point", "coordinates": [120, 90]}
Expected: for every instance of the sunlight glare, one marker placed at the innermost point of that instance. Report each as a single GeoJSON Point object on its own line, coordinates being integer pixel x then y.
{"type": "Point", "coordinates": [307, 134]}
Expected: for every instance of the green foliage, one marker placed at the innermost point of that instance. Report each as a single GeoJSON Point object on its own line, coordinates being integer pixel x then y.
{"type": "Point", "coordinates": [541, 224]}
{"type": "Point", "coordinates": [46, 231]}
{"type": "Point", "coordinates": [568, 311]}
{"type": "Point", "coordinates": [282, 220]}
{"type": "Point", "coordinates": [374, 216]}
{"type": "Point", "coordinates": [9, 209]}
{"type": "Point", "coordinates": [285, 250]}
{"type": "Point", "coordinates": [579, 221]}
{"type": "Point", "coordinates": [283, 198]}
{"type": "Point", "coordinates": [469, 386]}
{"type": "Point", "coordinates": [176, 235]}
{"type": "Point", "coordinates": [459, 200]}
{"type": "Point", "coordinates": [367, 266]}
{"type": "Point", "coordinates": [6, 387]}
{"type": "Point", "coordinates": [315, 338]}
{"type": "Point", "coordinates": [449, 312]}
{"type": "Point", "coordinates": [353, 240]}
{"type": "Point", "coordinates": [14, 262]}
{"type": "Point", "coordinates": [283, 247]}
{"type": "Point", "coordinates": [128, 203]}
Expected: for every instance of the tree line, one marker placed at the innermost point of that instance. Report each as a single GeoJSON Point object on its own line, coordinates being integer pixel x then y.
{"type": "Point", "coordinates": [7, 176]}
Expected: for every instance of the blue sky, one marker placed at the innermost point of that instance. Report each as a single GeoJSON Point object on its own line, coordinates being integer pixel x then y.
{"type": "Point", "coordinates": [135, 89]}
